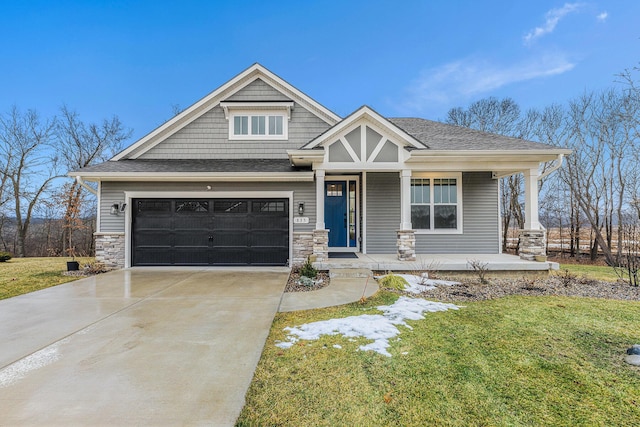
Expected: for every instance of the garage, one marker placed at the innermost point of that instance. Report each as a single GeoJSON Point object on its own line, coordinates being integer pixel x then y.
{"type": "Point", "coordinates": [225, 232]}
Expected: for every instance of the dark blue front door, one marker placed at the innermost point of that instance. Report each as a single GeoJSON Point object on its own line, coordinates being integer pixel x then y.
{"type": "Point", "coordinates": [335, 212]}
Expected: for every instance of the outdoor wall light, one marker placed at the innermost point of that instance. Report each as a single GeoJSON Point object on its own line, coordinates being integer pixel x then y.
{"type": "Point", "coordinates": [116, 208]}
{"type": "Point", "coordinates": [300, 208]}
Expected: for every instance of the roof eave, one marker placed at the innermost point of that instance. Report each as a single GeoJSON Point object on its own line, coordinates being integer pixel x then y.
{"type": "Point", "coordinates": [305, 157]}
{"type": "Point", "coordinates": [302, 176]}
{"type": "Point", "coordinates": [484, 155]}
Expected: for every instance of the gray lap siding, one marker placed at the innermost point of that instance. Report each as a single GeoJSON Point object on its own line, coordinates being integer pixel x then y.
{"type": "Point", "coordinates": [383, 211]}
{"type": "Point", "coordinates": [480, 217]}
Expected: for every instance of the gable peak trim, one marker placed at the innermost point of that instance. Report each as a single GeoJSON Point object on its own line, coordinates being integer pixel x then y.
{"type": "Point", "coordinates": [246, 77]}
{"type": "Point", "coordinates": [369, 115]}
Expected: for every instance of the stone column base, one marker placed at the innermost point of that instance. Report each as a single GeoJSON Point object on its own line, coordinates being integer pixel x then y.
{"type": "Point", "coordinates": [321, 245]}
{"type": "Point", "coordinates": [406, 245]}
{"type": "Point", "coordinates": [110, 249]}
{"type": "Point", "coordinates": [532, 243]}
{"type": "Point", "coordinates": [302, 247]}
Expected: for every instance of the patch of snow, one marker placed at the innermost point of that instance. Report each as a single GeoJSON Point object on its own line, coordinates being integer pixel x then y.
{"type": "Point", "coordinates": [418, 284]}
{"type": "Point", "coordinates": [337, 346]}
{"type": "Point", "coordinates": [377, 327]}
{"type": "Point", "coordinates": [285, 344]}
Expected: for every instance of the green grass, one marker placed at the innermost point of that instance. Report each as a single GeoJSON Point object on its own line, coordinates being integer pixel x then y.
{"type": "Point", "coordinates": [23, 275]}
{"type": "Point", "coordinates": [596, 272]}
{"type": "Point", "coordinates": [510, 361]}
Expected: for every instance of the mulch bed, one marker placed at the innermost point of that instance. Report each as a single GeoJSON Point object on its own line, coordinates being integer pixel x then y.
{"type": "Point", "coordinates": [473, 290]}
{"type": "Point", "coordinates": [293, 286]}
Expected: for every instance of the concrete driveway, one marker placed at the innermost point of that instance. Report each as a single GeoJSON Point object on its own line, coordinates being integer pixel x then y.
{"type": "Point", "coordinates": [136, 347]}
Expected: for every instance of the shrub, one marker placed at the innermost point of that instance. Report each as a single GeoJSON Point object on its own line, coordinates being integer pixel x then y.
{"type": "Point", "coordinates": [567, 277]}
{"type": "Point", "coordinates": [5, 256]}
{"type": "Point", "coordinates": [394, 282]}
{"type": "Point", "coordinates": [480, 268]}
{"type": "Point", "coordinates": [308, 270]}
{"type": "Point", "coordinates": [95, 267]}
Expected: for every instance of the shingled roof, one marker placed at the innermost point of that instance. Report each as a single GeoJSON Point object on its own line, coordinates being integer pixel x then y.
{"type": "Point", "coordinates": [442, 136]}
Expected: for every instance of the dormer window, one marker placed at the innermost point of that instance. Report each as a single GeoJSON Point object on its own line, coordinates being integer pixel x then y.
{"type": "Point", "coordinates": [258, 120]}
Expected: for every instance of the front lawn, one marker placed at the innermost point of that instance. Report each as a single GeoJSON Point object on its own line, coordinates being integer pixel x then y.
{"type": "Point", "coordinates": [22, 275]}
{"type": "Point", "coordinates": [509, 361]}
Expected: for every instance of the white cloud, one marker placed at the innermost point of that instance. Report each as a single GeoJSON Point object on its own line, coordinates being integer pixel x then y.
{"type": "Point", "coordinates": [602, 16]}
{"type": "Point", "coordinates": [460, 80]}
{"type": "Point", "coordinates": [552, 18]}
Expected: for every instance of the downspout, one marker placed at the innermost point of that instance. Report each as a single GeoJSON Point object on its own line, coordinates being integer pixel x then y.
{"type": "Point", "coordinates": [84, 184]}
{"type": "Point", "coordinates": [553, 168]}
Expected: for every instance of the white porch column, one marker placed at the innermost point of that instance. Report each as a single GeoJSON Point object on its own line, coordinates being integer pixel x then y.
{"type": "Point", "coordinates": [531, 200]}
{"type": "Point", "coordinates": [319, 199]}
{"type": "Point", "coordinates": [405, 199]}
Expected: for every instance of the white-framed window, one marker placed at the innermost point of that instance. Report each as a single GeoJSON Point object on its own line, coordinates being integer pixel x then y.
{"type": "Point", "coordinates": [258, 126]}
{"type": "Point", "coordinates": [436, 203]}
{"type": "Point", "coordinates": [258, 120]}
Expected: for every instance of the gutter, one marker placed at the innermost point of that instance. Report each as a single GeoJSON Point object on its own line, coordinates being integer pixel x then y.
{"type": "Point", "coordinates": [553, 168]}
{"type": "Point", "coordinates": [200, 176]}
{"type": "Point", "coordinates": [84, 184]}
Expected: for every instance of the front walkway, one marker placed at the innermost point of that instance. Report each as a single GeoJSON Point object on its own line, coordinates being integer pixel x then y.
{"type": "Point", "coordinates": [347, 287]}
{"type": "Point", "coordinates": [437, 262]}
{"type": "Point", "coordinates": [141, 346]}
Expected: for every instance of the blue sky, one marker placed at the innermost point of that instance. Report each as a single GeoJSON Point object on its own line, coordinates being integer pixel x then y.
{"type": "Point", "coordinates": [137, 59]}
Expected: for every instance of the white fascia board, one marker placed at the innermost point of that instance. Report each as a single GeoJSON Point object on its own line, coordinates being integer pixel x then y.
{"type": "Point", "coordinates": [380, 124]}
{"type": "Point", "coordinates": [477, 166]}
{"type": "Point", "coordinates": [551, 154]}
{"type": "Point", "coordinates": [202, 176]}
{"type": "Point", "coordinates": [470, 156]}
{"type": "Point", "coordinates": [205, 104]}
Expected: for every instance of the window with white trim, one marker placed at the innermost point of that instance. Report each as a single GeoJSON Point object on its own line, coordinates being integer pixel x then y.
{"type": "Point", "coordinates": [436, 204]}
{"type": "Point", "coordinates": [257, 126]}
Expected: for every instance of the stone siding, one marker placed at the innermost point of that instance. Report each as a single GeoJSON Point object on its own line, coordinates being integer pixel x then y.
{"type": "Point", "coordinates": [314, 244]}
{"type": "Point", "coordinates": [406, 245]}
{"type": "Point", "coordinates": [302, 247]}
{"type": "Point", "coordinates": [110, 249]}
{"type": "Point", "coordinates": [321, 245]}
{"type": "Point", "coordinates": [532, 243]}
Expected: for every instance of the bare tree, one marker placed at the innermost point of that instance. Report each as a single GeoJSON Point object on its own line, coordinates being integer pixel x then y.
{"type": "Point", "coordinates": [82, 145]}
{"type": "Point", "coordinates": [31, 165]}
{"type": "Point", "coordinates": [603, 133]}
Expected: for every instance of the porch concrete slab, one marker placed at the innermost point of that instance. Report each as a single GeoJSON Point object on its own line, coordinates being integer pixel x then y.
{"type": "Point", "coordinates": [441, 262]}
{"type": "Point", "coordinates": [341, 290]}
{"type": "Point", "coordinates": [178, 353]}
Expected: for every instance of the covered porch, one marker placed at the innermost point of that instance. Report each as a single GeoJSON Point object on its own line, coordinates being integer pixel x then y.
{"type": "Point", "coordinates": [421, 187]}
{"type": "Point", "coordinates": [456, 263]}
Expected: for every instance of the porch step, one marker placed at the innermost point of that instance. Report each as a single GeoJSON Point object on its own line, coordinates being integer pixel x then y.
{"type": "Point", "coordinates": [349, 272]}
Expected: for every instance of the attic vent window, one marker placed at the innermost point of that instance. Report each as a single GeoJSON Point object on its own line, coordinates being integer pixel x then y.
{"type": "Point", "coordinates": [258, 120]}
